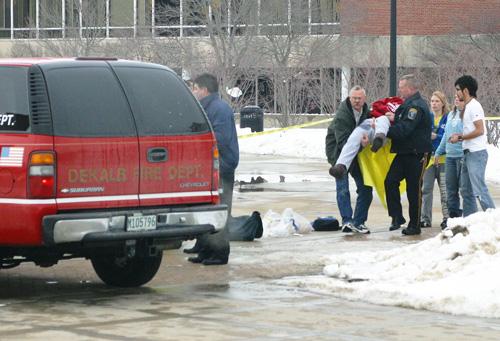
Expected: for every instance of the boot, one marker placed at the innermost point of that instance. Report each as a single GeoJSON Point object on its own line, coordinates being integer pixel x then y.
{"type": "Point", "coordinates": [215, 261]}
{"type": "Point", "coordinates": [411, 231]}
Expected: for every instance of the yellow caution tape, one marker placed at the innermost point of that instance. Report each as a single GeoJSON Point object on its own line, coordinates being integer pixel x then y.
{"type": "Point", "coordinates": [303, 125]}
{"type": "Point", "coordinates": [310, 124]}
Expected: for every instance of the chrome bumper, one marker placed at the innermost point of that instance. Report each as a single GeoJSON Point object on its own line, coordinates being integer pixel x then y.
{"type": "Point", "coordinates": [107, 226]}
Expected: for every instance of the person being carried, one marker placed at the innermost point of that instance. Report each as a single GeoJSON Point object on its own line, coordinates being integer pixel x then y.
{"type": "Point", "coordinates": [372, 130]}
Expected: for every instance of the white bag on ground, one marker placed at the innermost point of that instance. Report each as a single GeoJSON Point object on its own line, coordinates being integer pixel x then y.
{"type": "Point", "coordinates": [288, 223]}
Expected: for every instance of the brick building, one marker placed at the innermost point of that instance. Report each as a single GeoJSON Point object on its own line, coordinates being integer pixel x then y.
{"type": "Point", "coordinates": [420, 18]}
{"type": "Point", "coordinates": [431, 33]}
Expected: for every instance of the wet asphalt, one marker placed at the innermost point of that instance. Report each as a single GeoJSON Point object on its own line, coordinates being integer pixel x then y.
{"type": "Point", "coordinates": [238, 301]}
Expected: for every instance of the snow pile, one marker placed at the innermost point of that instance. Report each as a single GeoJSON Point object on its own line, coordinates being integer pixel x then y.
{"type": "Point", "coordinates": [282, 225]}
{"type": "Point", "coordinates": [305, 143]}
{"type": "Point", "coordinates": [456, 272]}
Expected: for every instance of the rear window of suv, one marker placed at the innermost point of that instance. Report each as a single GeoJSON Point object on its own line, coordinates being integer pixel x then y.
{"type": "Point", "coordinates": [14, 104]}
{"type": "Point", "coordinates": [88, 102]}
{"type": "Point", "coordinates": [161, 103]}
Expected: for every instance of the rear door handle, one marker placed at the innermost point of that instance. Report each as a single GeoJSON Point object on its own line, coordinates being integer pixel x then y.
{"type": "Point", "coordinates": [157, 154]}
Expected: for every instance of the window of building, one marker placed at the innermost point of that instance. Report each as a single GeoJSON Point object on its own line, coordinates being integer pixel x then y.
{"type": "Point", "coordinates": [195, 15]}
{"type": "Point", "coordinates": [24, 18]}
{"type": "Point", "coordinates": [167, 17]}
{"type": "Point", "coordinates": [72, 17]}
{"type": "Point", "coordinates": [273, 16]}
{"type": "Point", "coordinates": [324, 16]}
{"type": "Point", "coordinates": [144, 15]}
{"type": "Point", "coordinates": [219, 19]}
{"type": "Point", "coordinates": [121, 18]}
{"type": "Point", "coordinates": [4, 18]}
{"type": "Point", "coordinates": [24, 13]}
{"type": "Point", "coordinates": [93, 13]}
{"type": "Point", "coordinates": [51, 17]}
{"type": "Point", "coordinates": [243, 16]}
{"type": "Point", "coordinates": [299, 16]}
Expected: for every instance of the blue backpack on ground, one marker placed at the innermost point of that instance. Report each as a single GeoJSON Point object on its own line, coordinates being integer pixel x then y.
{"type": "Point", "coordinates": [326, 224]}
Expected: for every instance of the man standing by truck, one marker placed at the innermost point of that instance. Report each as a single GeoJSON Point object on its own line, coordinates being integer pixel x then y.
{"type": "Point", "coordinates": [221, 116]}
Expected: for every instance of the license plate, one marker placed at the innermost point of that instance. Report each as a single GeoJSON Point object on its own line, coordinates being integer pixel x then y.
{"type": "Point", "coordinates": [141, 223]}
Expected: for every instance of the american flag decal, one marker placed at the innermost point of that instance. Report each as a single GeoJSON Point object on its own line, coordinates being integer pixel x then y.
{"type": "Point", "coordinates": [11, 156]}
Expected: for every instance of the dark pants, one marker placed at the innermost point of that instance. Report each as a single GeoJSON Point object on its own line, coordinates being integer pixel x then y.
{"type": "Point", "coordinates": [227, 184]}
{"type": "Point", "coordinates": [453, 170]}
{"type": "Point", "coordinates": [216, 245]}
{"type": "Point", "coordinates": [363, 200]}
{"type": "Point", "coordinates": [409, 167]}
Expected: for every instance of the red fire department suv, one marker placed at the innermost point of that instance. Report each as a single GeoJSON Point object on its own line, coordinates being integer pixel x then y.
{"type": "Point", "coordinates": [105, 159]}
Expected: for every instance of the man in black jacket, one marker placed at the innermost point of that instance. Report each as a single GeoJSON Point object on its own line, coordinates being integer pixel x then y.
{"type": "Point", "coordinates": [348, 116]}
{"type": "Point", "coordinates": [411, 141]}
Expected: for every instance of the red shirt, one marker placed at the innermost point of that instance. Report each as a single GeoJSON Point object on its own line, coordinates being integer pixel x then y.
{"type": "Point", "coordinates": [383, 105]}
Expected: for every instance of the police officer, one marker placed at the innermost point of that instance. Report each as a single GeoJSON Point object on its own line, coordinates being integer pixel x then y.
{"type": "Point", "coordinates": [411, 141]}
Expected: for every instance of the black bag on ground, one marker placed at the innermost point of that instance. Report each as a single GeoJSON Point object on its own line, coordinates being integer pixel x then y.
{"type": "Point", "coordinates": [245, 228]}
{"type": "Point", "coordinates": [326, 224]}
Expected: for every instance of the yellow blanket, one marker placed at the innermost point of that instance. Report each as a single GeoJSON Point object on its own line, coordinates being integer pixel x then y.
{"type": "Point", "coordinates": [375, 167]}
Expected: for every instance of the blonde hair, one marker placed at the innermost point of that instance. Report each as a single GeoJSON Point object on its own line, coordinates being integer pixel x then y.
{"type": "Point", "coordinates": [442, 98]}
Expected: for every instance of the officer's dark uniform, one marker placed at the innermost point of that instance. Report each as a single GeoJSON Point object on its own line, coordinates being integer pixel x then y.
{"type": "Point", "coordinates": [411, 141]}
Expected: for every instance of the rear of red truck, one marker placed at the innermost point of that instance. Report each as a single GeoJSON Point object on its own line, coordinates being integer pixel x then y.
{"type": "Point", "coordinates": [105, 159]}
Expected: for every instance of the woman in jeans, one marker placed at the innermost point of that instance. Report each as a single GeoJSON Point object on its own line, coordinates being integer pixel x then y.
{"type": "Point", "coordinates": [435, 172]}
{"type": "Point", "coordinates": [454, 156]}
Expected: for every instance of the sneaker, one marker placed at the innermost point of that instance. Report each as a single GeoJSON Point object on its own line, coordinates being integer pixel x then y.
{"type": "Point", "coordinates": [378, 142]}
{"type": "Point", "coordinates": [425, 224]}
{"type": "Point", "coordinates": [411, 231]}
{"type": "Point", "coordinates": [347, 227]}
{"type": "Point", "coordinates": [361, 228]}
{"type": "Point", "coordinates": [338, 171]}
{"type": "Point", "coordinates": [444, 223]}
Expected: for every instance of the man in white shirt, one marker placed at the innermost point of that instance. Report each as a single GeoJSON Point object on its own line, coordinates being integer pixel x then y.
{"type": "Point", "coordinates": [474, 141]}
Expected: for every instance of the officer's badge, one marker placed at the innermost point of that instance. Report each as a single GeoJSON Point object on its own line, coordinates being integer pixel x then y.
{"type": "Point", "coordinates": [412, 113]}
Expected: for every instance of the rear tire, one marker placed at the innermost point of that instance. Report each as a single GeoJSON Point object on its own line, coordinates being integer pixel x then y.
{"type": "Point", "coordinates": [126, 272]}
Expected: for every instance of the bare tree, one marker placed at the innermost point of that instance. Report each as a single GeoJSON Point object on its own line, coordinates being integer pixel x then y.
{"type": "Point", "coordinates": [295, 57]}
{"type": "Point", "coordinates": [466, 54]}
{"type": "Point", "coordinates": [229, 28]}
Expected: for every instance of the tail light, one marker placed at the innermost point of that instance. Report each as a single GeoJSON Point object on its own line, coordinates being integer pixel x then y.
{"type": "Point", "coordinates": [215, 176]}
{"type": "Point", "coordinates": [41, 175]}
